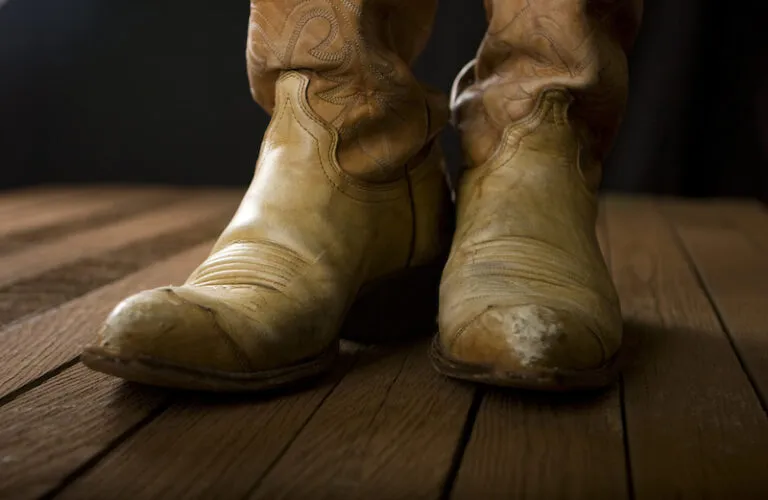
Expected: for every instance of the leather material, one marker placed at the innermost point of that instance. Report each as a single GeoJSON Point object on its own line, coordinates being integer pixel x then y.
{"type": "Point", "coordinates": [307, 236]}
{"type": "Point", "coordinates": [359, 53]}
{"type": "Point", "coordinates": [579, 45]}
{"type": "Point", "coordinates": [526, 289]}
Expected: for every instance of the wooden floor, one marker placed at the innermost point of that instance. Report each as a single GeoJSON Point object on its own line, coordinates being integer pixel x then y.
{"type": "Point", "coordinates": [686, 420]}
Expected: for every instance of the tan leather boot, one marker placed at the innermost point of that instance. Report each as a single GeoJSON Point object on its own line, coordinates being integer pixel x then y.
{"type": "Point", "coordinates": [526, 299]}
{"type": "Point", "coordinates": [347, 195]}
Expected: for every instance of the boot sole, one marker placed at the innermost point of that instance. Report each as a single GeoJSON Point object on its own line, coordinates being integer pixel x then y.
{"type": "Point", "coordinates": [394, 303]}
{"type": "Point", "coordinates": [552, 380]}
{"type": "Point", "coordinates": [157, 372]}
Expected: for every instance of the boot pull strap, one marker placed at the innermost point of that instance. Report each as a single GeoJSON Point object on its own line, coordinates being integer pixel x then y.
{"type": "Point", "coordinates": [464, 79]}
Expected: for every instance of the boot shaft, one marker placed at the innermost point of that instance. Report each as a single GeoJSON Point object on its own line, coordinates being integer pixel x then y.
{"type": "Point", "coordinates": [575, 45]}
{"type": "Point", "coordinates": [357, 56]}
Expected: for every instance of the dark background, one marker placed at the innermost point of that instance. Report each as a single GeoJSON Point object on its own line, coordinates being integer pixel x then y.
{"type": "Point", "coordinates": [156, 91]}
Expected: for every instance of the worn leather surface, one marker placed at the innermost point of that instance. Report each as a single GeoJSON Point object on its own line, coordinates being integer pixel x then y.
{"type": "Point", "coordinates": [360, 54]}
{"type": "Point", "coordinates": [307, 236]}
{"type": "Point", "coordinates": [526, 288]}
{"type": "Point", "coordinates": [578, 45]}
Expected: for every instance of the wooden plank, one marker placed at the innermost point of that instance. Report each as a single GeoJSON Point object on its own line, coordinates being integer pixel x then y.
{"type": "Point", "coordinates": [18, 200]}
{"type": "Point", "coordinates": [746, 215]}
{"type": "Point", "coordinates": [32, 348]}
{"type": "Point", "coordinates": [78, 213]}
{"type": "Point", "coordinates": [61, 284]}
{"type": "Point", "coordinates": [544, 446]}
{"type": "Point", "coordinates": [207, 446]}
{"type": "Point", "coordinates": [67, 208]}
{"type": "Point", "coordinates": [390, 430]}
{"type": "Point", "coordinates": [734, 270]}
{"type": "Point", "coordinates": [695, 427]}
{"type": "Point", "coordinates": [37, 259]}
{"type": "Point", "coordinates": [547, 446]}
{"type": "Point", "coordinates": [60, 425]}
{"type": "Point", "coordinates": [751, 217]}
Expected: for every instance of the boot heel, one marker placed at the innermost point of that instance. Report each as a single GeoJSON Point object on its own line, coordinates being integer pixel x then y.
{"type": "Point", "coordinates": [396, 307]}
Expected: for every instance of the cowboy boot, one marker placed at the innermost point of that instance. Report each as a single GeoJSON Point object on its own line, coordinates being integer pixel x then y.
{"type": "Point", "coordinates": [347, 196]}
{"type": "Point", "coordinates": [526, 299]}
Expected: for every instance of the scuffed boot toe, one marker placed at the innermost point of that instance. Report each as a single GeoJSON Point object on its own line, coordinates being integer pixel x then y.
{"type": "Point", "coordinates": [527, 346]}
{"type": "Point", "coordinates": [161, 325]}
{"type": "Point", "coordinates": [165, 337]}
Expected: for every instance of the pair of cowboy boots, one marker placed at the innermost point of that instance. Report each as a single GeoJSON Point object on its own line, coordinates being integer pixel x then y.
{"type": "Point", "coordinates": [349, 200]}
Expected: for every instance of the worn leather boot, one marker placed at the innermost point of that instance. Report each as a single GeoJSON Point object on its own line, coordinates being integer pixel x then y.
{"type": "Point", "coordinates": [348, 196]}
{"type": "Point", "coordinates": [526, 299]}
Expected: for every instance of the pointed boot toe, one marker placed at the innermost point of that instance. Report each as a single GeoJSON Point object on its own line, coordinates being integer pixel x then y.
{"type": "Point", "coordinates": [195, 338]}
{"type": "Point", "coordinates": [161, 324]}
{"type": "Point", "coordinates": [527, 346]}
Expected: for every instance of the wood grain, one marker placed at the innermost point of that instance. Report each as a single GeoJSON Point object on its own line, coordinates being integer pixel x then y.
{"type": "Point", "coordinates": [52, 212]}
{"type": "Point", "coordinates": [26, 202]}
{"type": "Point", "coordinates": [734, 270]}
{"type": "Point", "coordinates": [40, 258]}
{"type": "Point", "coordinates": [64, 211]}
{"type": "Point", "coordinates": [544, 446]}
{"type": "Point", "coordinates": [82, 213]}
{"type": "Point", "coordinates": [206, 446]}
{"type": "Point", "coordinates": [750, 217]}
{"type": "Point", "coordinates": [31, 348]}
{"type": "Point", "coordinates": [69, 281]}
{"type": "Point", "coordinates": [388, 431]}
{"type": "Point", "coordinates": [20, 200]}
{"type": "Point", "coordinates": [50, 431]}
{"type": "Point", "coordinates": [695, 427]}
